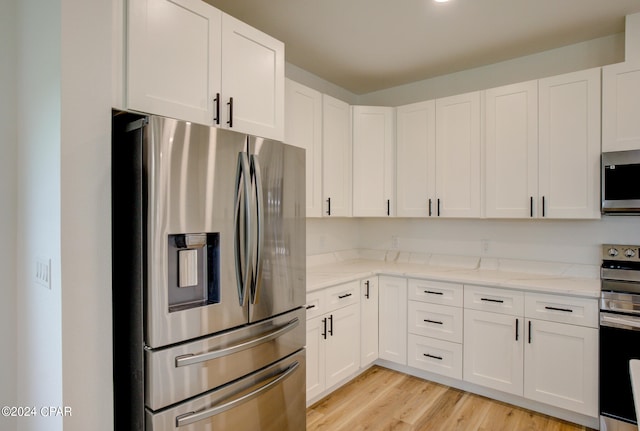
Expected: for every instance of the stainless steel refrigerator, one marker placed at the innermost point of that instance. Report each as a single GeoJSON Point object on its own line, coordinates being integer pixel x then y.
{"type": "Point", "coordinates": [208, 278]}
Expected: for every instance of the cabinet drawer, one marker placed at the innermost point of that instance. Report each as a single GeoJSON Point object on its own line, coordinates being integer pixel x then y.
{"type": "Point", "coordinates": [437, 321]}
{"type": "Point", "coordinates": [563, 309]}
{"type": "Point", "coordinates": [436, 292]}
{"type": "Point", "coordinates": [316, 304]}
{"type": "Point", "coordinates": [343, 295]}
{"type": "Point", "coordinates": [495, 300]}
{"type": "Point", "coordinates": [436, 356]}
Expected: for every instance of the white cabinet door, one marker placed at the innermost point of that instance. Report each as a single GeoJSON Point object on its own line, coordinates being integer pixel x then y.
{"type": "Point", "coordinates": [511, 150]}
{"type": "Point", "coordinates": [173, 58]}
{"type": "Point", "coordinates": [369, 321]}
{"type": "Point", "coordinates": [373, 161]}
{"type": "Point", "coordinates": [336, 156]}
{"type": "Point", "coordinates": [621, 107]}
{"type": "Point", "coordinates": [315, 357]}
{"type": "Point", "coordinates": [493, 350]}
{"type": "Point", "coordinates": [416, 159]}
{"type": "Point", "coordinates": [253, 75]}
{"type": "Point", "coordinates": [303, 128]}
{"type": "Point", "coordinates": [458, 153]}
{"type": "Point", "coordinates": [392, 324]}
{"type": "Point", "coordinates": [561, 366]}
{"type": "Point", "coordinates": [569, 140]}
{"type": "Point", "coordinates": [342, 357]}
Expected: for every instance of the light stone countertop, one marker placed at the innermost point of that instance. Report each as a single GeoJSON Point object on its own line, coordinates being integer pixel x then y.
{"type": "Point", "coordinates": [545, 277]}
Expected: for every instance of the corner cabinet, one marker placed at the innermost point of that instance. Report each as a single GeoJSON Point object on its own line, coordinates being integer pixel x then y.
{"type": "Point", "coordinates": [621, 107]}
{"type": "Point", "coordinates": [373, 161]}
{"type": "Point", "coordinates": [303, 128]}
{"type": "Point", "coordinates": [416, 159]}
{"type": "Point", "coordinates": [336, 156]}
{"type": "Point", "coordinates": [458, 152]}
{"type": "Point", "coordinates": [222, 72]}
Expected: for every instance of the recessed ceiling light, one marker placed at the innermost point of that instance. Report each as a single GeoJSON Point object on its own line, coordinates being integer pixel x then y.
{"type": "Point", "coordinates": [441, 1]}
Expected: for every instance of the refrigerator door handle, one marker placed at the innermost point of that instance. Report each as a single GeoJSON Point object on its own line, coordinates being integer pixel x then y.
{"type": "Point", "coordinates": [194, 417]}
{"type": "Point", "coordinates": [255, 171]}
{"type": "Point", "coordinates": [243, 192]}
{"type": "Point", "coordinates": [191, 359]}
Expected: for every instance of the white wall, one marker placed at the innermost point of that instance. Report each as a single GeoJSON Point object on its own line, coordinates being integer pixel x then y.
{"type": "Point", "coordinates": [8, 221]}
{"type": "Point", "coordinates": [39, 371]}
{"type": "Point", "coordinates": [85, 183]}
{"type": "Point", "coordinates": [332, 234]}
{"type": "Point", "coordinates": [303, 77]}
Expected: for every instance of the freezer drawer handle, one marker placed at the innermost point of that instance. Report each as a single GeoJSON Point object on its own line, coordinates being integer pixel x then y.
{"type": "Point", "coordinates": [191, 359]}
{"type": "Point", "coordinates": [193, 417]}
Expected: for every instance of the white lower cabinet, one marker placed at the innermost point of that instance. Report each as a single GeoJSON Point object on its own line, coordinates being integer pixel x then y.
{"type": "Point", "coordinates": [368, 321]}
{"type": "Point", "coordinates": [333, 336]}
{"type": "Point", "coordinates": [392, 317]}
{"type": "Point", "coordinates": [561, 366]}
{"type": "Point", "coordinates": [436, 356]}
{"type": "Point", "coordinates": [493, 350]}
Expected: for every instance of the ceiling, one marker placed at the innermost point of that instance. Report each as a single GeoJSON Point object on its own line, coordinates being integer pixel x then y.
{"type": "Point", "coordinates": [369, 45]}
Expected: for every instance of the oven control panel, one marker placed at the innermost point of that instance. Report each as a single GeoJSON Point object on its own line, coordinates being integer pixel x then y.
{"type": "Point", "coordinates": [625, 253]}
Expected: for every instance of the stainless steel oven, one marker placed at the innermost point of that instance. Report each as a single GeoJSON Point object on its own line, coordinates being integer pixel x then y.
{"type": "Point", "coordinates": [619, 335]}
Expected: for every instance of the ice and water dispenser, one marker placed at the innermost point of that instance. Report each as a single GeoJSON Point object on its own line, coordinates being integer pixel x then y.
{"type": "Point", "coordinates": [194, 268]}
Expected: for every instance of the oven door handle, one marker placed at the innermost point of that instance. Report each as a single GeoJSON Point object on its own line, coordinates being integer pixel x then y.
{"type": "Point", "coordinates": [617, 321]}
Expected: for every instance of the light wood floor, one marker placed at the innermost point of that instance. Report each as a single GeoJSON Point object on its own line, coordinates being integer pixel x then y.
{"type": "Point", "coordinates": [383, 399]}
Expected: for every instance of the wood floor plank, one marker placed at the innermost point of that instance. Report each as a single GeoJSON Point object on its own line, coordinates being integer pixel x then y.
{"type": "Point", "coordinates": [385, 400]}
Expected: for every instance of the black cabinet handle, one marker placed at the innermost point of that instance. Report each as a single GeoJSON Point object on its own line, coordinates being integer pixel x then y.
{"type": "Point", "coordinates": [331, 325]}
{"type": "Point", "coordinates": [499, 301]}
{"type": "Point", "coordinates": [366, 283]}
{"type": "Point", "coordinates": [566, 310]}
{"type": "Point", "coordinates": [309, 307]}
{"type": "Point", "coordinates": [531, 207]}
{"type": "Point", "coordinates": [529, 331]}
{"type": "Point", "coordinates": [346, 295]}
{"type": "Point", "coordinates": [543, 205]}
{"type": "Point", "coordinates": [324, 330]}
{"type": "Point", "coordinates": [230, 104]}
{"type": "Point", "coordinates": [217, 103]}
{"type": "Point", "coordinates": [388, 207]}
{"type": "Point", "coordinates": [517, 325]}
{"type": "Point", "coordinates": [431, 292]}
{"type": "Point", "coordinates": [433, 321]}
{"type": "Point", "coordinates": [328, 206]}
{"type": "Point", "coordinates": [429, 207]}
{"type": "Point", "coordinates": [433, 356]}
{"type": "Point", "coordinates": [438, 207]}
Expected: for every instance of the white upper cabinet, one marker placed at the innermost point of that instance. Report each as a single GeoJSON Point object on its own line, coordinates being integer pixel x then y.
{"type": "Point", "coordinates": [458, 151]}
{"type": "Point", "coordinates": [336, 156]}
{"type": "Point", "coordinates": [511, 145]}
{"type": "Point", "coordinates": [173, 59]}
{"type": "Point", "coordinates": [303, 128]}
{"type": "Point", "coordinates": [569, 145]}
{"type": "Point", "coordinates": [621, 107]}
{"type": "Point", "coordinates": [416, 159]}
{"type": "Point", "coordinates": [373, 161]}
{"type": "Point", "coordinates": [252, 80]}
{"type": "Point", "coordinates": [188, 60]}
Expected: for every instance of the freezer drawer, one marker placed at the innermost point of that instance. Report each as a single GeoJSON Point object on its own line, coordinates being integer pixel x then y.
{"type": "Point", "coordinates": [272, 399]}
{"type": "Point", "coordinates": [189, 369]}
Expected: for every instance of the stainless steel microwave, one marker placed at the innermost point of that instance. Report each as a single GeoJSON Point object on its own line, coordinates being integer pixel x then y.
{"type": "Point", "coordinates": [621, 182]}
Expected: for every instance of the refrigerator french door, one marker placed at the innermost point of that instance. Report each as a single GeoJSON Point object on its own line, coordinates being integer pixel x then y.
{"type": "Point", "coordinates": [209, 271]}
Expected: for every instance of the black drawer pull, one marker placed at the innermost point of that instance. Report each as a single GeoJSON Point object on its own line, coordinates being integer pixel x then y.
{"type": "Point", "coordinates": [324, 328]}
{"type": "Point", "coordinates": [529, 331]}
{"type": "Point", "coordinates": [517, 325]}
{"type": "Point", "coordinates": [499, 301]}
{"type": "Point", "coordinates": [433, 356]}
{"type": "Point", "coordinates": [346, 295]}
{"type": "Point", "coordinates": [431, 292]}
{"type": "Point", "coordinates": [433, 321]}
{"type": "Point", "coordinates": [309, 307]}
{"type": "Point", "coordinates": [566, 310]}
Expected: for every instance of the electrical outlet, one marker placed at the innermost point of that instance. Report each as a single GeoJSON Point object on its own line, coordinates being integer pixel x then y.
{"type": "Point", "coordinates": [395, 243]}
{"type": "Point", "coordinates": [42, 274]}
